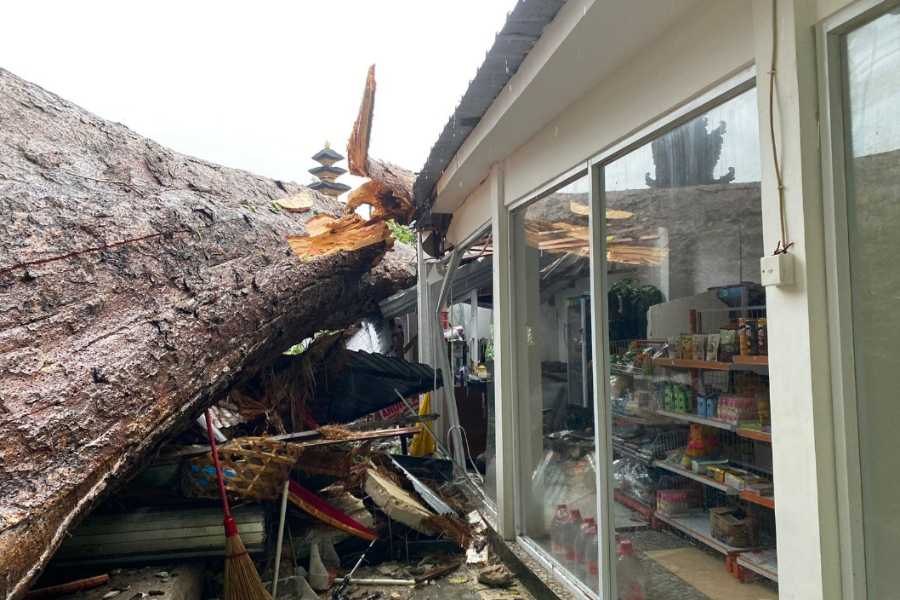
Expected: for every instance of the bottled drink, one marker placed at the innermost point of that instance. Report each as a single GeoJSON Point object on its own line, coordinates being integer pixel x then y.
{"type": "Point", "coordinates": [557, 531]}
{"type": "Point", "coordinates": [580, 569]}
{"type": "Point", "coordinates": [570, 537]}
{"type": "Point", "coordinates": [591, 558]}
{"type": "Point", "coordinates": [629, 573]}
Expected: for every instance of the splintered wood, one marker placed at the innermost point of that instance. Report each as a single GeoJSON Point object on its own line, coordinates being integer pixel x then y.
{"type": "Point", "coordinates": [329, 235]}
{"type": "Point", "coordinates": [388, 192]}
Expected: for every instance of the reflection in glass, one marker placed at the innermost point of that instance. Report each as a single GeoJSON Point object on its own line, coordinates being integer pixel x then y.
{"type": "Point", "coordinates": [688, 354]}
{"type": "Point", "coordinates": [555, 397]}
{"type": "Point", "coordinates": [873, 169]}
{"type": "Point", "coordinates": [468, 332]}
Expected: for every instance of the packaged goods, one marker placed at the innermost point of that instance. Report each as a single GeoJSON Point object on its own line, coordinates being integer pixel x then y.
{"type": "Point", "coordinates": [736, 478]}
{"type": "Point", "coordinates": [699, 347]}
{"type": "Point", "coordinates": [701, 467]}
{"type": "Point", "coordinates": [733, 526]}
{"type": "Point", "coordinates": [763, 411]}
{"type": "Point", "coordinates": [674, 347]}
{"type": "Point", "coordinates": [687, 346]}
{"type": "Point", "coordinates": [675, 502]}
{"type": "Point", "coordinates": [762, 337]}
{"type": "Point", "coordinates": [728, 344]}
{"type": "Point", "coordinates": [712, 406]}
{"type": "Point", "coordinates": [747, 337]}
{"type": "Point", "coordinates": [717, 473]}
{"type": "Point", "coordinates": [712, 347]}
{"type": "Point", "coordinates": [737, 409]}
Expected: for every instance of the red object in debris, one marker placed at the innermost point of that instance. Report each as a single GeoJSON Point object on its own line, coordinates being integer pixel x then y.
{"type": "Point", "coordinates": [71, 587]}
{"type": "Point", "coordinates": [325, 512]}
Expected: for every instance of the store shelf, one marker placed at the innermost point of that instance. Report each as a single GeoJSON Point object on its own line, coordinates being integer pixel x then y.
{"type": "Point", "coordinates": [751, 496]}
{"type": "Point", "coordinates": [755, 434]}
{"type": "Point", "coordinates": [751, 360]}
{"type": "Point", "coordinates": [634, 504]}
{"type": "Point", "coordinates": [696, 525]}
{"type": "Point", "coordinates": [691, 475]}
{"type": "Point", "coordinates": [762, 562]}
{"type": "Point", "coordinates": [684, 363]}
{"type": "Point", "coordinates": [692, 418]}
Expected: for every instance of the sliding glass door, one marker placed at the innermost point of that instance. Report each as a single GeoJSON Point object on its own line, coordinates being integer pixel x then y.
{"type": "Point", "coordinates": [862, 73]}
{"type": "Point", "coordinates": [554, 391]}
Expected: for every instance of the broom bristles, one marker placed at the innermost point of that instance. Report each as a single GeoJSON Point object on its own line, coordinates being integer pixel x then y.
{"type": "Point", "coordinates": [242, 582]}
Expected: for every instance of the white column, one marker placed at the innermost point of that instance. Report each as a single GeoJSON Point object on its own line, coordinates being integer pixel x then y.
{"type": "Point", "coordinates": [802, 424]}
{"type": "Point", "coordinates": [504, 411]}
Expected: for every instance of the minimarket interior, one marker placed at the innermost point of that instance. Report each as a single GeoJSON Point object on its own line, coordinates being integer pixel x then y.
{"type": "Point", "coordinates": [687, 395]}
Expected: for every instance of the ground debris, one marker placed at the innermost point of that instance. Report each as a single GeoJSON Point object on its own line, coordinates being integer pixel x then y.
{"type": "Point", "coordinates": [496, 576]}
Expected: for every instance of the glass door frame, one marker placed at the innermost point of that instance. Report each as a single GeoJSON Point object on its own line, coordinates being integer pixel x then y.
{"type": "Point", "coordinates": [834, 128]}
{"type": "Point", "coordinates": [519, 387]}
{"type": "Point", "coordinates": [716, 95]}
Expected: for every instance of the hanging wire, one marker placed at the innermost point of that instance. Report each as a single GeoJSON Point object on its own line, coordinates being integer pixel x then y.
{"type": "Point", "coordinates": [783, 243]}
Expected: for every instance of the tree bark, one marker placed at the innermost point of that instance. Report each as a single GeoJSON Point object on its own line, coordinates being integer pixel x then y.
{"type": "Point", "coordinates": [136, 284]}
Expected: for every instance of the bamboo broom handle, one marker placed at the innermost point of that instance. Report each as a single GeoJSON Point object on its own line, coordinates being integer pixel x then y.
{"type": "Point", "coordinates": [230, 526]}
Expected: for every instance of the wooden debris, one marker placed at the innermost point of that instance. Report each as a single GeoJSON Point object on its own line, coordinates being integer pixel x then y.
{"type": "Point", "coordinates": [345, 234]}
{"type": "Point", "coordinates": [398, 504]}
{"type": "Point", "coordinates": [388, 192]}
{"type": "Point", "coordinates": [298, 203]}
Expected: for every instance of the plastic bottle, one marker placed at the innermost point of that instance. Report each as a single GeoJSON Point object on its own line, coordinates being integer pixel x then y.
{"type": "Point", "coordinates": [319, 578]}
{"type": "Point", "coordinates": [591, 559]}
{"type": "Point", "coordinates": [329, 555]}
{"type": "Point", "coordinates": [629, 573]}
{"type": "Point", "coordinates": [557, 531]}
{"type": "Point", "coordinates": [580, 569]}
{"type": "Point", "coordinates": [570, 537]}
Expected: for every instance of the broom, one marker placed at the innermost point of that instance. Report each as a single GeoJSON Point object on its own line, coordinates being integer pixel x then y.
{"type": "Point", "coordinates": [242, 582]}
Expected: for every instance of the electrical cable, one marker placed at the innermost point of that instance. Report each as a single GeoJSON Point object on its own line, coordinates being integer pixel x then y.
{"type": "Point", "coordinates": [783, 243]}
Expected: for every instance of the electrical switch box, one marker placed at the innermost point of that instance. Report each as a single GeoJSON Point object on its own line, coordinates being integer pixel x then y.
{"type": "Point", "coordinates": [777, 269]}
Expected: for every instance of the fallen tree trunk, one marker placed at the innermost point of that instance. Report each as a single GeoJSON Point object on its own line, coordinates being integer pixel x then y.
{"type": "Point", "coordinates": [136, 284]}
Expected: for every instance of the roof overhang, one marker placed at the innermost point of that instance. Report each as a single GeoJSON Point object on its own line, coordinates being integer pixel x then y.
{"type": "Point", "coordinates": [585, 43]}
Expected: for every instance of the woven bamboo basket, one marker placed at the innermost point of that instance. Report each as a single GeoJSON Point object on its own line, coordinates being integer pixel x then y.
{"type": "Point", "coordinates": [253, 468]}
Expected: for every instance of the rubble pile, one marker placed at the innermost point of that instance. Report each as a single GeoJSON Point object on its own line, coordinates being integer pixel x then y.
{"type": "Point", "coordinates": [339, 510]}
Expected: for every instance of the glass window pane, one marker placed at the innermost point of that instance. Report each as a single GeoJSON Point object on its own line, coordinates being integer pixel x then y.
{"type": "Point", "coordinates": [555, 408]}
{"type": "Point", "coordinates": [873, 86]}
{"type": "Point", "coordinates": [469, 333]}
{"type": "Point", "coordinates": [688, 358]}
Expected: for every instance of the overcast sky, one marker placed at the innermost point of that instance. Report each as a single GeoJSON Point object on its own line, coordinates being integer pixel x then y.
{"type": "Point", "coordinates": [257, 85]}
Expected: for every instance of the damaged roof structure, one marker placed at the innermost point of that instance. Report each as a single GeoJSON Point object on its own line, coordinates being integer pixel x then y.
{"type": "Point", "coordinates": [524, 26]}
{"type": "Point", "coordinates": [137, 285]}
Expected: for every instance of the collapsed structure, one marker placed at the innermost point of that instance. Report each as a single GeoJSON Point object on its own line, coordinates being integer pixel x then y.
{"type": "Point", "coordinates": [136, 286]}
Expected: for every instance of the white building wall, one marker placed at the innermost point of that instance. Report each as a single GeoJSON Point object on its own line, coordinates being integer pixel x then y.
{"type": "Point", "coordinates": [714, 41]}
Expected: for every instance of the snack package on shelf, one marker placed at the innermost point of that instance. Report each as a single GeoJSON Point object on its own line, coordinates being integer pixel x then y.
{"type": "Point", "coordinates": [699, 347]}
{"type": "Point", "coordinates": [737, 409]}
{"type": "Point", "coordinates": [728, 344]}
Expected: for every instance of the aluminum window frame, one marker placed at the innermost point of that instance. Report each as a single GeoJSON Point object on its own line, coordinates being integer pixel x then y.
{"type": "Point", "coordinates": [834, 127]}
{"type": "Point", "coordinates": [727, 89]}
